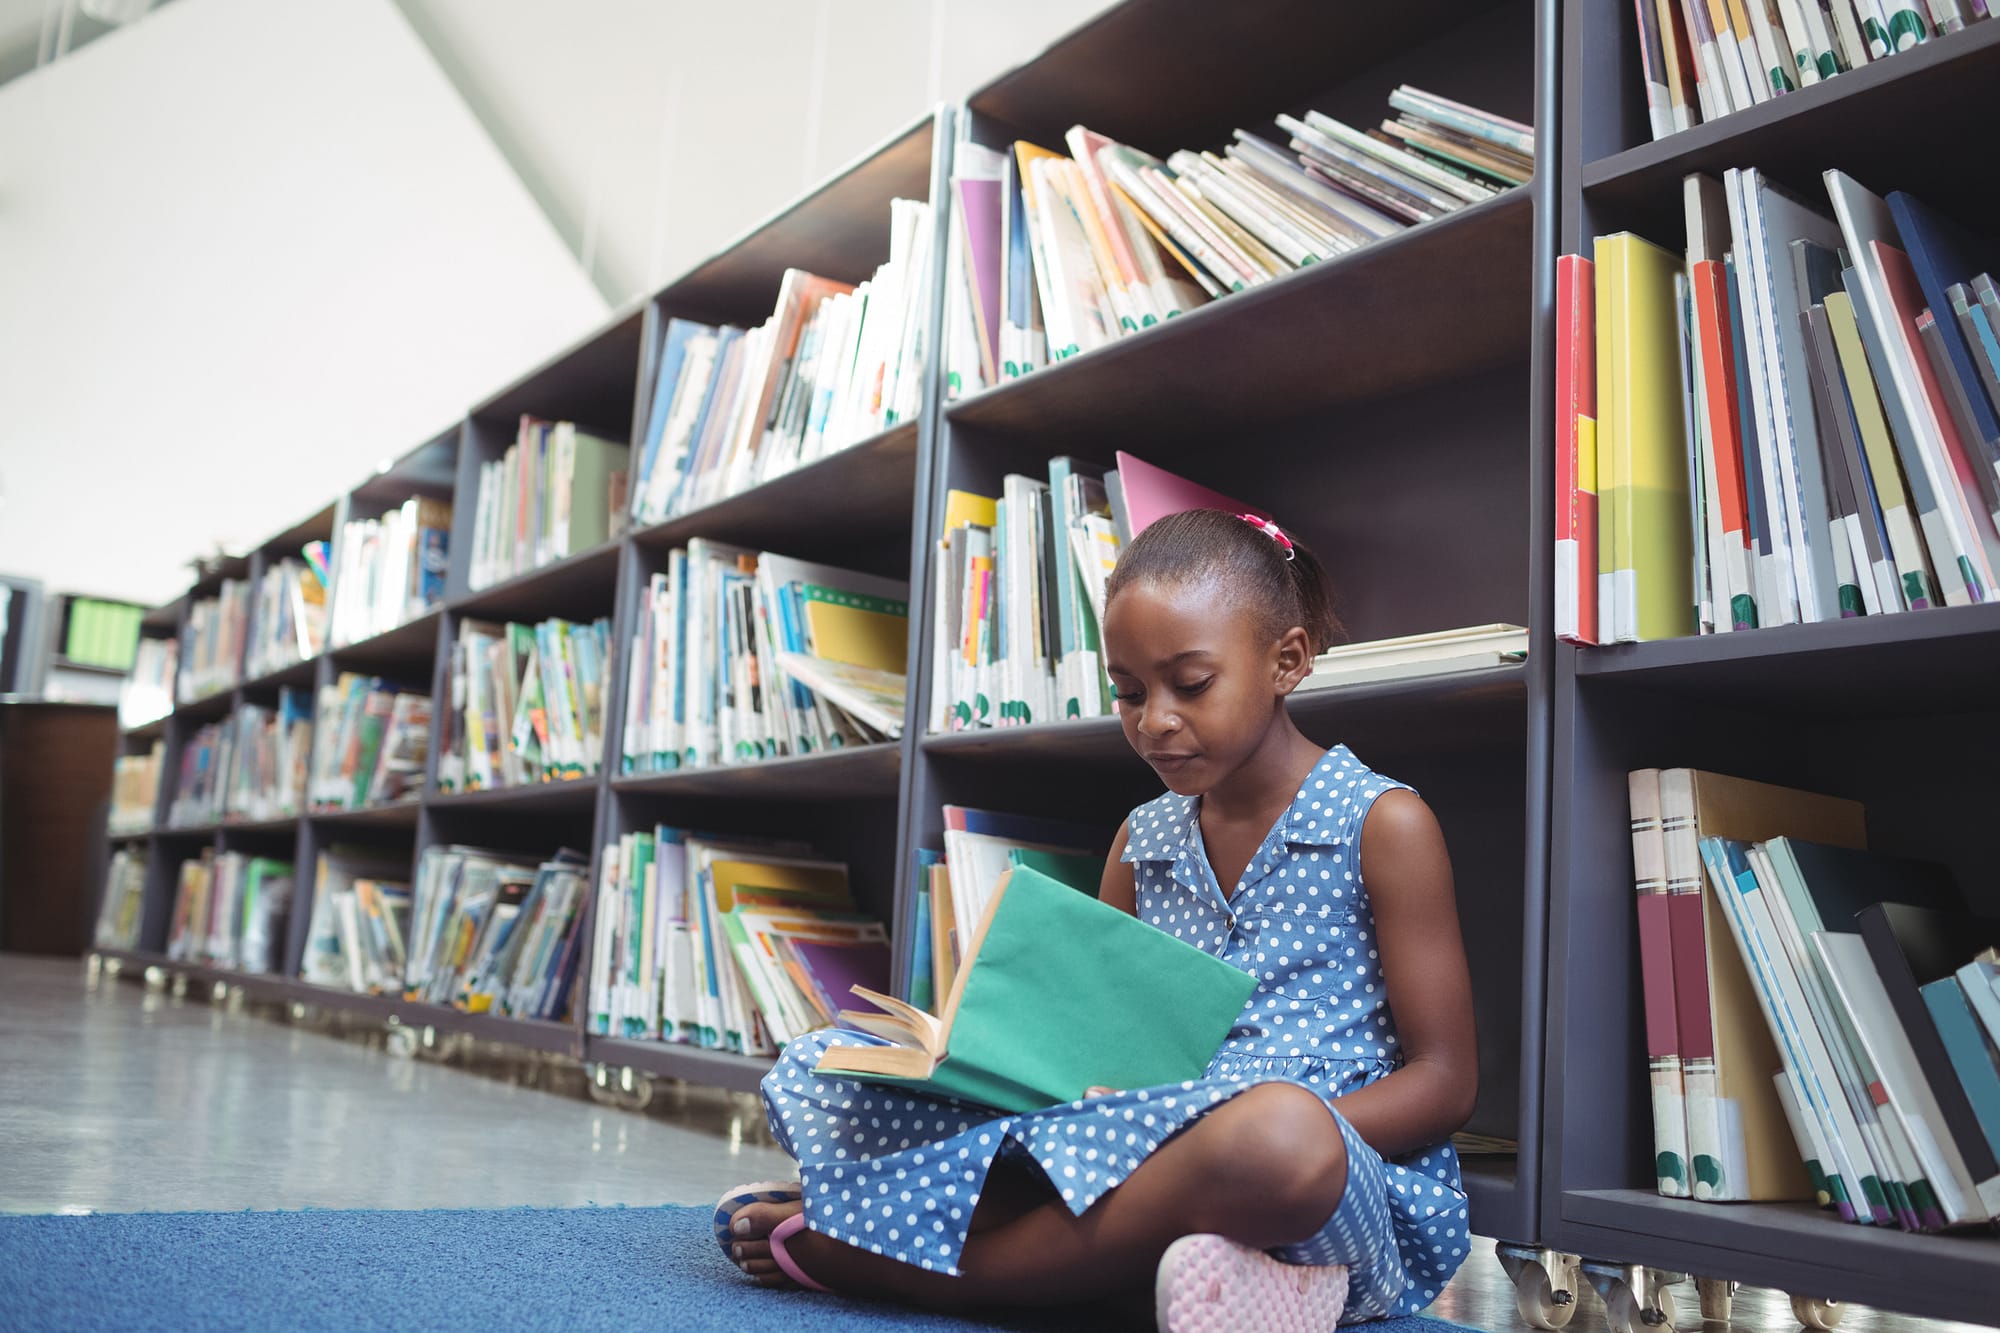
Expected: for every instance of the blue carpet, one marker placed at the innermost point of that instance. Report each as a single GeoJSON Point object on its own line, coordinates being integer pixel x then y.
{"type": "Point", "coordinates": [579, 1270]}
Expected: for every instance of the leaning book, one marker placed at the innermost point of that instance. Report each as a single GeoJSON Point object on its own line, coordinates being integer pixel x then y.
{"type": "Point", "coordinates": [1057, 993]}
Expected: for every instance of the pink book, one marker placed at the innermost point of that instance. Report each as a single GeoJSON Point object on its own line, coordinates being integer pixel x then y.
{"type": "Point", "coordinates": [979, 207]}
{"type": "Point", "coordinates": [1151, 493]}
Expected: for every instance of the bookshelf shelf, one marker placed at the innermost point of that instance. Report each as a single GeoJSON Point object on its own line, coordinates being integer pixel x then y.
{"type": "Point", "coordinates": [208, 707]}
{"type": "Point", "coordinates": [1417, 715]}
{"type": "Point", "coordinates": [1866, 666]}
{"type": "Point", "coordinates": [846, 774]}
{"type": "Point", "coordinates": [1336, 332]}
{"type": "Point", "coordinates": [1789, 136]}
{"type": "Point", "coordinates": [203, 830]}
{"type": "Point", "coordinates": [1796, 1248]}
{"type": "Point", "coordinates": [717, 1069]}
{"type": "Point", "coordinates": [412, 641]}
{"type": "Point", "coordinates": [567, 587]}
{"type": "Point", "coordinates": [393, 815]}
{"type": "Point", "coordinates": [820, 511]}
{"type": "Point", "coordinates": [573, 794]}
{"type": "Point", "coordinates": [286, 824]}
{"type": "Point", "coordinates": [296, 675]}
{"type": "Point", "coordinates": [535, 1034]}
{"type": "Point", "coordinates": [150, 730]}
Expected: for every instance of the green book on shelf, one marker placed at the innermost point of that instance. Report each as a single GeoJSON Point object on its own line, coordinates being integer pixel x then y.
{"type": "Point", "coordinates": [1057, 993]}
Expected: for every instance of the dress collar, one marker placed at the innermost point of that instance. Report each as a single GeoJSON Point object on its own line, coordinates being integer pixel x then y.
{"type": "Point", "coordinates": [1164, 829]}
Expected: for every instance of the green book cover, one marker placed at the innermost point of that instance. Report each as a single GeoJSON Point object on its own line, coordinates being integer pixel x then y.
{"type": "Point", "coordinates": [1082, 871]}
{"type": "Point", "coordinates": [1059, 993]}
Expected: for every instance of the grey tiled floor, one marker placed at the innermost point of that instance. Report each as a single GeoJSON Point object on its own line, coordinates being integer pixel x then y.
{"type": "Point", "coordinates": [114, 1098]}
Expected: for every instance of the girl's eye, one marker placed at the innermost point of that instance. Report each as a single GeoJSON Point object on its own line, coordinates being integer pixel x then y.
{"type": "Point", "coordinates": [1196, 687]}
{"type": "Point", "coordinates": [1128, 696]}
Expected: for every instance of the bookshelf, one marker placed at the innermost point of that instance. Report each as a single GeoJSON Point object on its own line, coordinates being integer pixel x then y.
{"type": "Point", "coordinates": [1894, 711]}
{"type": "Point", "coordinates": [1393, 406]}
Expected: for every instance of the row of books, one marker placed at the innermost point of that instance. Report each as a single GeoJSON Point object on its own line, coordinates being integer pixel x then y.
{"type": "Point", "coordinates": [1020, 584]}
{"type": "Point", "coordinates": [147, 693]}
{"type": "Point", "coordinates": [374, 739]}
{"type": "Point", "coordinates": [101, 633]}
{"type": "Point", "coordinates": [558, 490]}
{"type": "Point", "coordinates": [211, 656]}
{"type": "Point", "coordinates": [288, 618]}
{"type": "Point", "coordinates": [135, 789]}
{"type": "Point", "coordinates": [735, 944]}
{"type": "Point", "coordinates": [1795, 428]}
{"type": "Point", "coordinates": [389, 569]}
{"type": "Point", "coordinates": [1054, 255]}
{"type": "Point", "coordinates": [527, 704]}
{"type": "Point", "coordinates": [484, 931]}
{"type": "Point", "coordinates": [230, 911]}
{"type": "Point", "coordinates": [251, 765]}
{"type": "Point", "coordinates": [739, 656]}
{"type": "Point", "coordinates": [1703, 59]}
{"type": "Point", "coordinates": [1822, 1021]}
{"type": "Point", "coordinates": [952, 887]}
{"type": "Point", "coordinates": [121, 914]}
{"type": "Point", "coordinates": [834, 365]}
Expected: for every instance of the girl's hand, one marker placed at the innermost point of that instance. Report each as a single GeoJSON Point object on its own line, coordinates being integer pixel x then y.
{"type": "Point", "coordinates": [1097, 1090]}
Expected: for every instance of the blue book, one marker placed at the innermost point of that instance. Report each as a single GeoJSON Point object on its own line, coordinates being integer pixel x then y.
{"type": "Point", "coordinates": [922, 984]}
{"type": "Point", "coordinates": [679, 331]}
{"type": "Point", "coordinates": [1746, 434]}
{"type": "Point", "coordinates": [1944, 253]}
{"type": "Point", "coordinates": [1966, 1046]}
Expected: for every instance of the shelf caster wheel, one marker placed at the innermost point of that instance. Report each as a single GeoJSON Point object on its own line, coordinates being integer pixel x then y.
{"type": "Point", "coordinates": [603, 1087]}
{"type": "Point", "coordinates": [1636, 1299]}
{"type": "Point", "coordinates": [401, 1042]}
{"type": "Point", "coordinates": [156, 979]}
{"type": "Point", "coordinates": [635, 1090]}
{"type": "Point", "coordinates": [1717, 1297]}
{"type": "Point", "coordinates": [1546, 1283]}
{"type": "Point", "coordinates": [178, 988]}
{"type": "Point", "coordinates": [1816, 1311]}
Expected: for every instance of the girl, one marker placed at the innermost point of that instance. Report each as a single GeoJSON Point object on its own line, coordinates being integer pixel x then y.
{"type": "Point", "coordinates": [1308, 1179]}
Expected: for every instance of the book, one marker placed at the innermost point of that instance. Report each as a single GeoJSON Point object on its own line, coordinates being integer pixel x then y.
{"type": "Point", "coordinates": [527, 704]}
{"type": "Point", "coordinates": [388, 569]}
{"type": "Point", "coordinates": [1671, 1146]}
{"type": "Point", "coordinates": [1641, 466]}
{"type": "Point", "coordinates": [1576, 451]}
{"type": "Point", "coordinates": [120, 913]}
{"type": "Point", "coordinates": [212, 642]}
{"type": "Point", "coordinates": [546, 498]}
{"type": "Point", "coordinates": [1911, 948]}
{"type": "Point", "coordinates": [1055, 993]}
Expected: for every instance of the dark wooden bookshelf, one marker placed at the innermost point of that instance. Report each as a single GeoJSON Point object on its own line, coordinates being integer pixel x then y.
{"type": "Point", "coordinates": [859, 770]}
{"type": "Point", "coordinates": [1895, 711]}
{"type": "Point", "coordinates": [1393, 406]}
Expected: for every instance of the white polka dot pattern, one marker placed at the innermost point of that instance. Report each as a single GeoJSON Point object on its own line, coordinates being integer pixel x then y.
{"type": "Point", "coordinates": [900, 1175]}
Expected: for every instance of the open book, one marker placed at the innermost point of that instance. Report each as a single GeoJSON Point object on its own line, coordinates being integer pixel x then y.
{"type": "Point", "coordinates": [1056, 993]}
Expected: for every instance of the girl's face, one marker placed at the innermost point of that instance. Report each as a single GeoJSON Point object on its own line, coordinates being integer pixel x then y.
{"type": "Point", "coordinates": [1197, 683]}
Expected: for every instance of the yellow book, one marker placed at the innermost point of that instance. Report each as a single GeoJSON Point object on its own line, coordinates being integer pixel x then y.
{"type": "Point", "coordinates": [1610, 307]}
{"type": "Point", "coordinates": [819, 883]}
{"type": "Point", "coordinates": [1899, 516]}
{"type": "Point", "coordinates": [964, 509]}
{"type": "Point", "coordinates": [858, 635]}
{"type": "Point", "coordinates": [1642, 439]}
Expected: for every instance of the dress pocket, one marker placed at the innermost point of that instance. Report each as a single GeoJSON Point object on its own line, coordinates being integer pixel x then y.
{"type": "Point", "coordinates": [1298, 950]}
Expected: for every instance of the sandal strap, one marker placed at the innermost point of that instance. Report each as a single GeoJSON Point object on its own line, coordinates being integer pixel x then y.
{"type": "Point", "coordinates": [783, 1232]}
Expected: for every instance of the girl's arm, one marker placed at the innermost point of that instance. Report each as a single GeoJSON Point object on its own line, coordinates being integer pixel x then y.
{"type": "Point", "coordinates": [1117, 887]}
{"type": "Point", "coordinates": [1407, 873]}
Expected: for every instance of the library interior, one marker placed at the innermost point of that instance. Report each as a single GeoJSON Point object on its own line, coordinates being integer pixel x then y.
{"type": "Point", "coordinates": [920, 664]}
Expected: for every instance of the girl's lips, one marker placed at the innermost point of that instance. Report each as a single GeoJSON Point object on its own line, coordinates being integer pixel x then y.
{"type": "Point", "coordinates": [1170, 760]}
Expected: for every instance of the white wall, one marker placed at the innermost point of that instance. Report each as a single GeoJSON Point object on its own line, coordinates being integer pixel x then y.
{"type": "Point", "coordinates": [655, 131]}
{"type": "Point", "coordinates": [247, 249]}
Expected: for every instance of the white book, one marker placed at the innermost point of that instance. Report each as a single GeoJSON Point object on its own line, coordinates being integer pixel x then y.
{"type": "Point", "coordinates": [1737, 71]}
{"type": "Point", "coordinates": [1864, 220]}
{"type": "Point", "coordinates": [1405, 162]}
{"type": "Point", "coordinates": [1781, 604]}
{"type": "Point", "coordinates": [1797, 35]}
{"type": "Point", "coordinates": [1852, 971]}
{"type": "Point", "coordinates": [1772, 49]}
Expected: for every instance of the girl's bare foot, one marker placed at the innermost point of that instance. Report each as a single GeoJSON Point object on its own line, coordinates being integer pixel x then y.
{"type": "Point", "coordinates": [750, 1241]}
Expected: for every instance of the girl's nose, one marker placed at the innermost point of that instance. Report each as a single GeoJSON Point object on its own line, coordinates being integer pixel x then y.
{"type": "Point", "coordinates": [1157, 721]}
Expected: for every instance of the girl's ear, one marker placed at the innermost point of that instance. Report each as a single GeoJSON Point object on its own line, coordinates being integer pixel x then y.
{"type": "Point", "coordinates": [1294, 659]}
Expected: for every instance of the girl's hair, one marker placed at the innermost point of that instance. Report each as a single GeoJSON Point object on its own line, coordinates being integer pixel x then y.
{"type": "Point", "coordinates": [1202, 545]}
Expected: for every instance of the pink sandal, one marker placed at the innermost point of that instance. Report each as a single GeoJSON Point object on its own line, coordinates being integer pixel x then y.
{"type": "Point", "coordinates": [783, 1232]}
{"type": "Point", "coordinates": [1211, 1284]}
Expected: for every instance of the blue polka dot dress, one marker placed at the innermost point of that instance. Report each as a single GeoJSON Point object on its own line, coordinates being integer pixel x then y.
{"type": "Point", "coordinates": [900, 1175]}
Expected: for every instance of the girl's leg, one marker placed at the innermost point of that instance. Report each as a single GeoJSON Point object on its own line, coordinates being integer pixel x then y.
{"type": "Point", "coordinates": [1265, 1168]}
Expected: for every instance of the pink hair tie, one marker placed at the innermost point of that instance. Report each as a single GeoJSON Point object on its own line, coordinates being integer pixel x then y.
{"type": "Point", "coordinates": [1271, 530]}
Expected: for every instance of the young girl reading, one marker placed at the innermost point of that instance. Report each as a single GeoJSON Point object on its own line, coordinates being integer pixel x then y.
{"type": "Point", "coordinates": [1308, 1179]}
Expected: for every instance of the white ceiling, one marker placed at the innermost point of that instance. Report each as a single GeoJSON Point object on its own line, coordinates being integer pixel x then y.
{"type": "Point", "coordinates": [652, 131]}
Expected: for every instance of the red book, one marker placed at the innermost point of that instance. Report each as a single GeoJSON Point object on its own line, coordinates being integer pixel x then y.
{"type": "Point", "coordinates": [1576, 451]}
